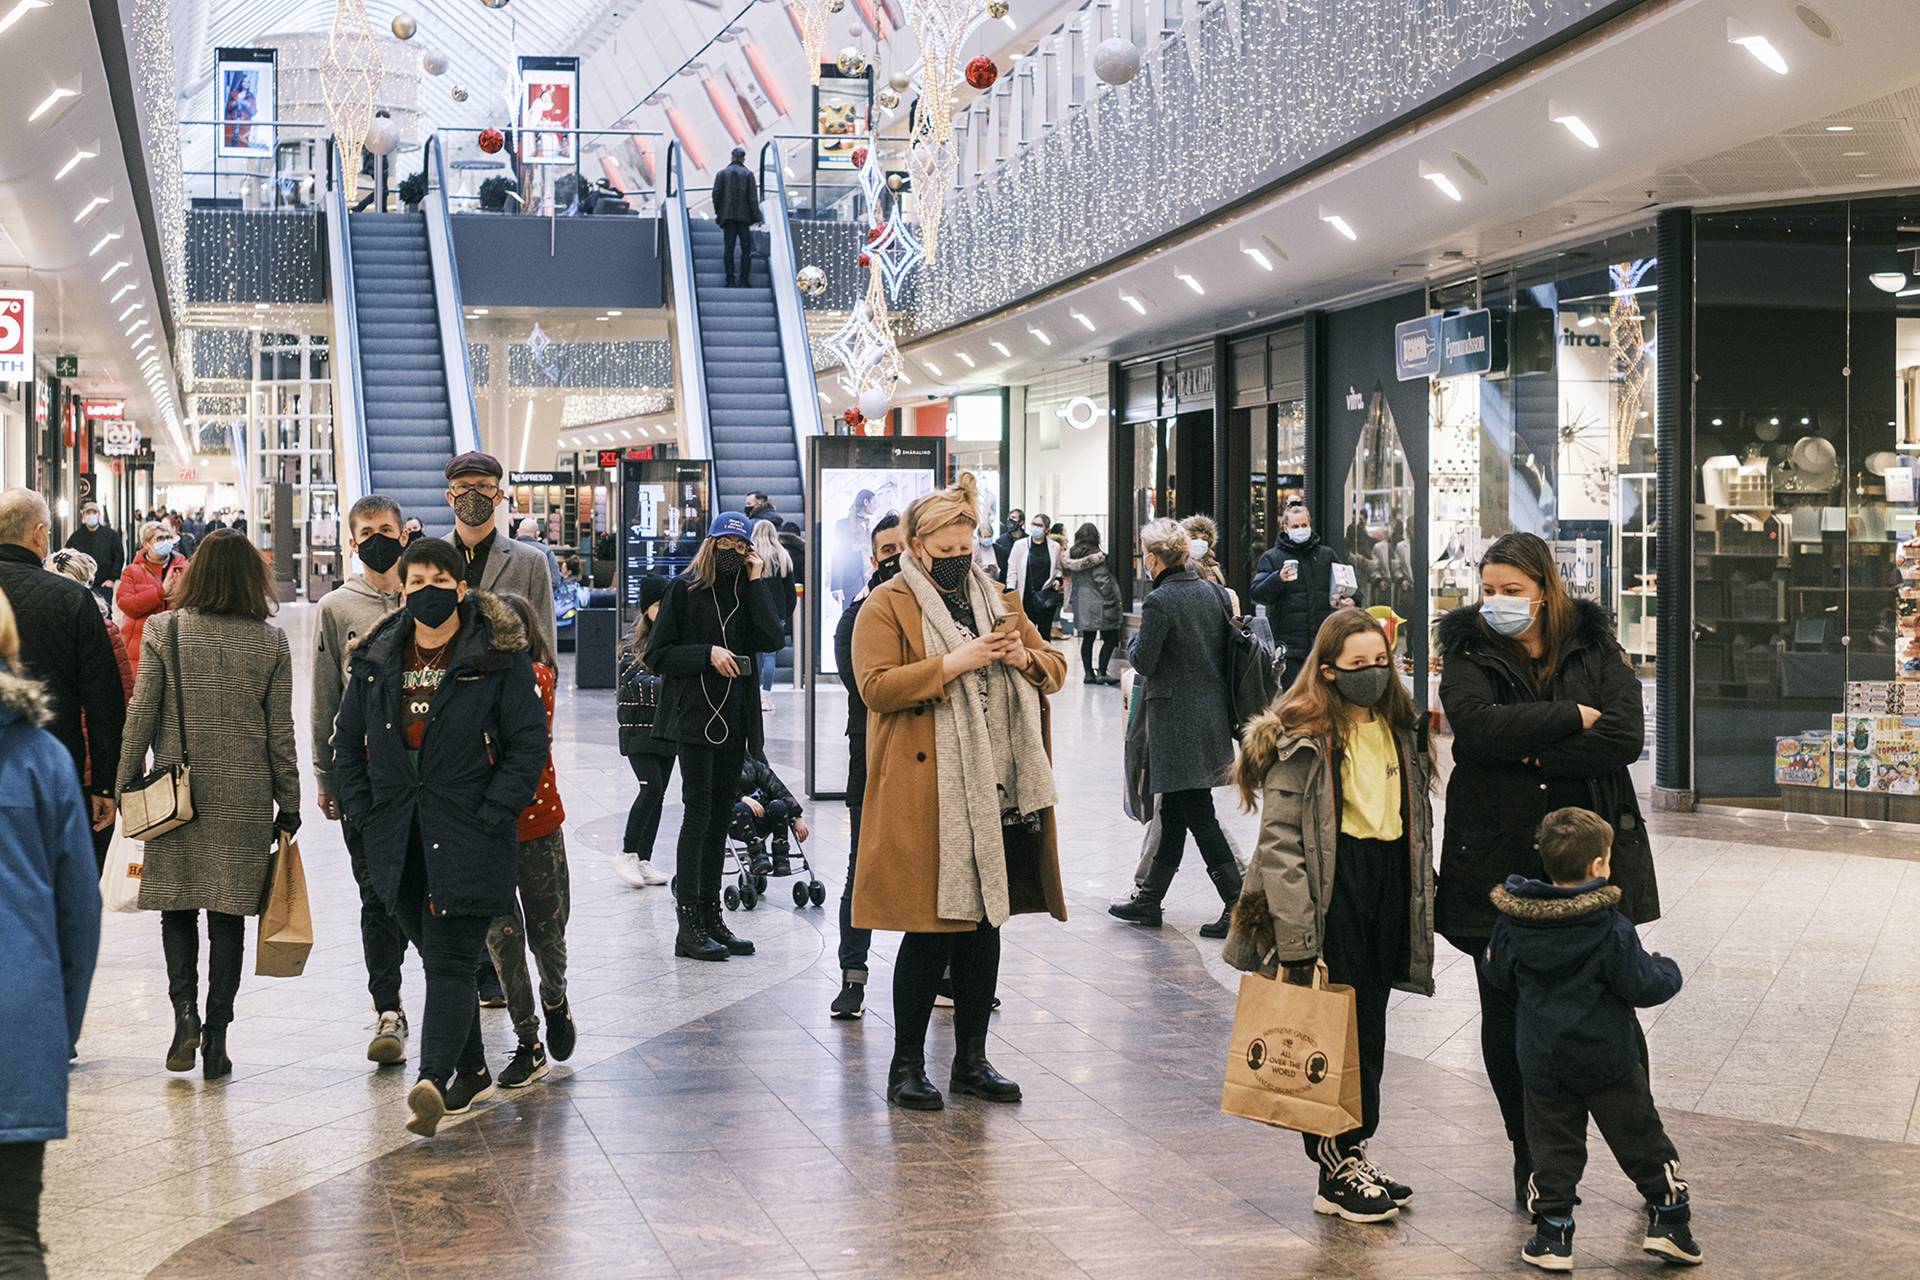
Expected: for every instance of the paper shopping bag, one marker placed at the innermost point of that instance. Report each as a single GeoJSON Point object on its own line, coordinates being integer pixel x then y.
{"type": "Point", "coordinates": [286, 917]}
{"type": "Point", "coordinates": [1294, 1057]}
{"type": "Point", "coordinates": [120, 878]}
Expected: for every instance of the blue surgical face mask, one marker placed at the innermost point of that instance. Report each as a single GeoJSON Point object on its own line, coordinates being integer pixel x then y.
{"type": "Point", "coordinates": [1508, 615]}
{"type": "Point", "coordinates": [1301, 535]}
{"type": "Point", "coordinates": [162, 548]}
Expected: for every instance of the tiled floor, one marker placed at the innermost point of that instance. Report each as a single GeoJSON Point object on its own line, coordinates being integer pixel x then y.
{"type": "Point", "coordinates": [713, 1119]}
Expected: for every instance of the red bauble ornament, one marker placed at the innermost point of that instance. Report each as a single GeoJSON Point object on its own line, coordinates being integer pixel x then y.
{"type": "Point", "coordinates": [874, 233]}
{"type": "Point", "coordinates": [852, 418]}
{"type": "Point", "coordinates": [859, 157]}
{"type": "Point", "coordinates": [491, 140]}
{"type": "Point", "coordinates": [981, 73]}
{"type": "Point", "coordinates": [866, 260]}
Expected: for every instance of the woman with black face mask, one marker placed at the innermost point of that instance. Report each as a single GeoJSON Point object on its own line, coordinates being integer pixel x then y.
{"type": "Point", "coordinates": [713, 619]}
{"type": "Point", "coordinates": [1344, 871]}
{"type": "Point", "coordinates": [440, 743]}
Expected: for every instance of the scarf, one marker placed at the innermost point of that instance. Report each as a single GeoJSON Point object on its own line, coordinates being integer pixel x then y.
{"type": "Point", "coordinates": [990, 759]}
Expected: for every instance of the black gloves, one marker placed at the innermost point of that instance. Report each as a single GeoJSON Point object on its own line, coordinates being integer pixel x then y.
{"type": "Point", "coordinates": [285, 823]}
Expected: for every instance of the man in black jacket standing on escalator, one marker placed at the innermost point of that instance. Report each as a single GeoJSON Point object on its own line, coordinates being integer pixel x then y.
{"type": "Point", "coordinates": [736, 207]}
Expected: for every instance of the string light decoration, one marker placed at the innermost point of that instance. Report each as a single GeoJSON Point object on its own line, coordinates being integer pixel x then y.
{"type": "Point", "coordinates": [349, 74]}
{"type": "Point", "coordinates": [589, 411]}
{"type": "Point", "coordinates": [864, 347]}
{"type": "Point", "coordinates": [1245, 93]}
{"type": "Point", "coordinates": [150, 33]}
{"type": "Point", "coordinates": [931, 167]}
{"type": "Point", "coordinates": [646, 363]}
{"type": "Point", "coordinates": [941, 29]}
{"type": "Point", "coordinates": [811, 16]}
{"type": "Point", "coordinates": [891, 247]}
{"type": "Point", "coordinates": [1626, 333]}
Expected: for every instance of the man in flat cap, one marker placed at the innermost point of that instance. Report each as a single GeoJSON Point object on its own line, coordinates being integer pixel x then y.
{"type": "Point", "coordinates": [494, 564]}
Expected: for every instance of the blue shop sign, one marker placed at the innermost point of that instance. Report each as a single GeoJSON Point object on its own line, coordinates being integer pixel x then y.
{"type": "Point", "coordinates": [1466, 344]}
{"type": "Point", "coordinates": [1416, 348]}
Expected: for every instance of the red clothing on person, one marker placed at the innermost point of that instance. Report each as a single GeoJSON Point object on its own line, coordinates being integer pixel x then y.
{"type": "Point", "coordinates": [142, 593]}
{"type": "Point", "coordinates": [545, 815]}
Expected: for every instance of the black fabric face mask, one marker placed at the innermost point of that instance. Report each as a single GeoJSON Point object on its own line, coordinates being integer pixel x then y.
{"type": "Point", "coordinates": [378, 552]}
{"type": "Point", "coordinates": [886, 571]}
{"type": "Point", "coordinates": [431, 606]}
{"type": "Point", "coordinates": [1364, 687]}
{"type": "Point", "coordinates": [949, 572]}
{"type": "Point", "coordinates": [728, 561]}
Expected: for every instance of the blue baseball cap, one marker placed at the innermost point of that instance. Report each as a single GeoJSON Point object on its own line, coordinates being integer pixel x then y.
{"type": "Point", "coordinates": [731, 524]}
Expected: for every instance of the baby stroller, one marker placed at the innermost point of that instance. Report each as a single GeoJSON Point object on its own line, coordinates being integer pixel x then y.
{"type": "Point", "coordinates": [762, 844]}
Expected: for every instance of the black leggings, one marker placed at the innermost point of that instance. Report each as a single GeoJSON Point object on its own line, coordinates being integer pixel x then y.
{"type": "Point", "coordinates": [973, 956]}
{"type": "Point", "coordinates": [1184, 811]}
{"type": "Point", "coordinates": [21, 1256]}
{"type": "Point", "coordinates": [226, 939]}
{"type": "Point", "coordinates": [709, 782]}
{"type": "Point", "coordinates": [1499, 1046]}
{"type": "Point", "coordinates": [1109, 638]}
{"type": "Point", "coordinates": [643, 818]}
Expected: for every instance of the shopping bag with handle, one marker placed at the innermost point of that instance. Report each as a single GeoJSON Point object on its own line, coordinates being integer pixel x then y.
{"type": "Point", "coordinates": [1294, 1057]}
{"type": "Point", "coordinates": [286, 917]}
{"type": "Point", "coordinates": [120, 878]}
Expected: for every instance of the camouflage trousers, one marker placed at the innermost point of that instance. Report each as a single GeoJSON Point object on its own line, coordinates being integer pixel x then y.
{"type": "Point", "coordinates": [539, 921]}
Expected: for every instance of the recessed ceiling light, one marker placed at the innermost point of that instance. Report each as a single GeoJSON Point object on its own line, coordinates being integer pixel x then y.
{"type": "Point", "coordinates": [612, 314]}
{"type": "Point", "coordinates": [131, 308]}
{"type": "Point", "coordinates": [1888, 281]}
{"type": "Point", "coordinates": [71, 165]}
{"type": "Point", "coordinates": [1572, 123]}
{"type": "Point", "coordinates": [603, 319]}
{"type": "Point", "coordinates": [1839, 128]}
{"type": "Point", "coordinates": [823, 398]}
{"type": "Point", "coordinates": [103, 242]}
{"type": "Point", "coordinates": [1853, 155]}
{"type": "Point", "coordinates": [934, 367]}
{"type": "Point", "coordinates": [1773, 422]}
{"type": "Point", "coordinates": [114, 270]}
{"type": "Point", "coordinates": [1719, 422]}
{"type": "Point", "coordinates": [1756, 44]}
{"type": "Point", "coordinates": [1084, 322]}
{"type": "Point", "coordinates": [1040, 334]}
{"type": "Point", "coordinates": [1866, 175]}
{"type": "Point", "coordinates": [905, 381]}
{"type": "Point", "coordinates": [21, 10]}
{"type": "Point", "coordinates": [1587, 322]}
{"type": "Point", "coordinates": [87, 210]}
{"type": "Point", "coordinates": [1133, 301]}
{"type": "Point", "coordinates": [480, 311]}
{"type": "Point", "coordinates": [1187, 279]}
{"type": "Point", "coordinates": [125, 289]}
{"type": "Point", "coordinates": [60, 94]}
{"type": "Point", "coordinates": [1258, 254]}
{"type": "Point", "coordinates": [1440, 180]}
{"type": "Point", "coordinates": [1338, 223]}
{"type": "Point", "coordinates": [260, 306]}
{"type": "Point", "coordinates": [1806, 422]}
{"type": "Point", "coordinates": [965, 359]}
{"type": "Point", "coordinates": [999, 346]}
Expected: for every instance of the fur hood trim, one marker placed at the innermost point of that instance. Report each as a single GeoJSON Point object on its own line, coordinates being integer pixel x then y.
{"type": "Point", "coordinates": [1250, 946]}
{"type": "Point", "coordinates": [23, 699]}
{"type": "Point", "coordinates": [1265, 741]}
{"type": "Point", "coordinates": [1460, 630]}
{"type": "Point", "coordinates": [1552, 910]}
{"type": "Point", "coordinates": [506, 633]}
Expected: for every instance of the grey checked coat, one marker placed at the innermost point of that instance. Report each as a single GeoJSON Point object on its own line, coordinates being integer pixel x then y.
{"type": "Point", "coordinates": [1181, 650]}
{"type": "Point", "coordinates": [238, 686]}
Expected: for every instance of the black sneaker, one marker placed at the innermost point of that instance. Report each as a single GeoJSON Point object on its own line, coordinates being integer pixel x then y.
{"type": "Point", "coordinates": [851, 1003]}
{"type": "Point", "coordinates": [1348, 1192]}
{"type": "Point", "coordinates": [528, 1064]}
{"type": "Point", "coordinates": [467, 1088]}
{"type": "Point", "coordinates": [560, 1032]}
{"type": "Point", "coordinates": [1670, 1234]}
{"type": "Point", "coordinates": [1399, 1192]}
{"type": "Point", "coordinates": [1551, 1248]}
{"type": "Point", "coordinates": [782, 867]}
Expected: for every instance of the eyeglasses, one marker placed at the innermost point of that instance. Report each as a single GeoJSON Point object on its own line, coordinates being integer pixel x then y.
{"type": "Point", "coordinates": [490, 490]}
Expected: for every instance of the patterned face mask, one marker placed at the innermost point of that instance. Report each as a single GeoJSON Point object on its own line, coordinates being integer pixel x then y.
{"type": "Point", "coordinates": [473, 508]}
{"type": "Point", "coordinates": [948, 572]}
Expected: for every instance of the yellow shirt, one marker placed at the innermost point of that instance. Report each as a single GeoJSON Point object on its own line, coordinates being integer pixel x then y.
{"type": "Point", "coordinates": [1370, 783]}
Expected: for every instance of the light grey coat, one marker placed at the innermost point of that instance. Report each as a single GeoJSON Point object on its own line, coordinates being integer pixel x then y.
{"type": "Point", "coordinates": [1093, 593]}
{"type": "Point", "coordinates": [1181, 650]}
{"type": "Point", "coordinates": [237, 683]}
{"type": "Point", "coordinates": [520, 568]}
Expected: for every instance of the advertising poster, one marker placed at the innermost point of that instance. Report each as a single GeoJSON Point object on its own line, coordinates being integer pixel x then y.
{"type": "Point", "coordinates": [549, 109]}
{"type": "Point", "coordinates": [16, 339]}
{"type": "Point", "coordinates": [664, 510]}
{"type": "Point", "coordinates": [247, 102]}
{"type": "Point", "coordinates": [841, 119]}
{"type": "Point", "coordinates": [851, 500]}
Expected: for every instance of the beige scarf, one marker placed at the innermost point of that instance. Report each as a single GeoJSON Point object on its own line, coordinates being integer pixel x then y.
{"type": "Point", "coordinates": [990, 758]}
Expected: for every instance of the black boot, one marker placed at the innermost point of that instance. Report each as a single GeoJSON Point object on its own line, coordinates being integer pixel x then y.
{"type": "Point", "coordinates": [716, 922]}
{"type": "Point", "coordinates": [908, 1086]}
{"type": "Point", "coordinates": [973, 1074]}
{"type": "Point", "coordinates": [1226, 878]}
{"type": "Point", "coordinates": [693, 941]}
{"type": "Point", "coordinates": [186, 1038]}
{"type": "Point", "coordinates": [214, 1062]}
{"type": "Point", "coordinates": [1144, 906]}
{"type": "Point", "coordinates": [757, 860]}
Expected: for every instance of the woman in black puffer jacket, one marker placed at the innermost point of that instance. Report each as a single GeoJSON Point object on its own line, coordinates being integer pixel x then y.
{"type": "Point", "coordinates": [1545, 713]}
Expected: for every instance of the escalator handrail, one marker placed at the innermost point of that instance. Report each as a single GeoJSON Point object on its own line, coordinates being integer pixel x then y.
{"type": "Point", "coordinates": [347, 361]}
{"type": "Point", "coordinates": [808, 411]}
{"type": "Point", "coordinates": [454, 353]}
{"type": "Point", "coordinates": [696, 366]}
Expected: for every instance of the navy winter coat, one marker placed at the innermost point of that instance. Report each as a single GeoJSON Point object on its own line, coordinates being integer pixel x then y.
{"type": "Point", "coordinates": [1579, 971]}
{"type": "Point", "coordinates": [480, 762]}
{"type": "Point", "coordinates": [49, 914]}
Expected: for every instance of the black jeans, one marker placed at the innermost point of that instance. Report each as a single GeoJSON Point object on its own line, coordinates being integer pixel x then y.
{"type": "Point", "coordinates": [972, 956]}
{"type": "Point", "coordinates": [1184, 811]}
{"type": "Point", "coordinates": [381, 940]}
{"type": "Point", "coordinates": [1109, 638]}
{"type": "Point", "coordinates": [854, 943]}
{"type": "Point", "coordinates": [21, 1254]}
{"type": "Point", "coordinates": [643, 818]}
{"type": "Point", "coordinates": [741, 234]}
{"type": "Point", "coordinates": [1364, 945]}
{"type": "Point", "coordinates": [1499, 1046]}
{"type": "Point", "coordinates": [451, 949]}
{"type": "Point", "coordinates": [226, 939]}
{"type": "Point", "coordinates": [709, 782]}
{"type": "Point", "coordinates": [1626, 1117]}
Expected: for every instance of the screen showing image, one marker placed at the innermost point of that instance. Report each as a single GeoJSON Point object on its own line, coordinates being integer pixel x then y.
{"type": "Point", "coordinates": [549, 106]}
{"type": "Point", "coordinates": [665, 510]}
{"type": "Point", "coordinates": [842, 122]}
{"type": "Point", "coordinates": [246, 100]}
{"type": "Point", "coordinates": [851, 501]}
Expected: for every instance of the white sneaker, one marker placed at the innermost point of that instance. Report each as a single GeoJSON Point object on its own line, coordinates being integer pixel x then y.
{"type": "Point", "coordinates": [766, 702]}
{"type": "Point", "coordinates": [636, 871]}
{"type": "Point", "coordinates": [389, 1044]}
{"type": "Point", "coordinates": [648, 875]}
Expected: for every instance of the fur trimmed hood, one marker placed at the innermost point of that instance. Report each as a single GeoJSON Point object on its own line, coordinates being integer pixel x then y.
{"type": "Point", "coordinates": [23, 699]}
{"type": "Point", "coordinates": [1265, 742]}
{"type": "Point", "coordinates": [505, 634]}
{"type": "Point", "coordinates": [1537, 902]}
{"type": "Point", "coordinates": [1460, 630]}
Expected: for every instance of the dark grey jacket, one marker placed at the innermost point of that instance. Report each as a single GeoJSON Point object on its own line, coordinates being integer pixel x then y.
{"type": "Point", "coordinates": [1181, 649]}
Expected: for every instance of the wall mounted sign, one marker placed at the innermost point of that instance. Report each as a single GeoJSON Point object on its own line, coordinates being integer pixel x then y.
{"type": "Point", "coordinates": [119, 439]}
{"type": "Point", "coordinates": [101, 410]}
{"type": "Point", "coordinates": [66, 366]}
{"type": "Point", "coordinates": [1466, 343]}
{"type": "Point", "coordinates": [1416, 348]}
{"type": "Point", "coordinates": [1081, 413]}
{"type": "Point", "coordinates": [539, 477]}
{"type": "Point", "coordinates": [16, 335]}
{"type": "Point", "coordinates": [549, 109]}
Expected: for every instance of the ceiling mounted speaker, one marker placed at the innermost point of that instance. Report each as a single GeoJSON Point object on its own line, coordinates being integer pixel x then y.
{"type": "Point", "coordinates": [1815, 21]}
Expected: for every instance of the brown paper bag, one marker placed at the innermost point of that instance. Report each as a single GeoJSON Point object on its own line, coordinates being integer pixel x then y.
{"type": "Point", "coordinates": [1294, 1057]}
{"type": "Point", "coordinates": [286, 917]}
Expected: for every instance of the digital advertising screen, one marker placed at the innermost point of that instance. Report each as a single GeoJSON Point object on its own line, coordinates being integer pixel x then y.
{"type": "Point", "coordinates": [665, 507]}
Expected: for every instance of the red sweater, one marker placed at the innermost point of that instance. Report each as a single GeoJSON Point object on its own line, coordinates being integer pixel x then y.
{"type": "Point", "coordinates": [544, 816]}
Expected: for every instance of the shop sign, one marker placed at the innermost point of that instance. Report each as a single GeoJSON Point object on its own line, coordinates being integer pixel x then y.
{"type": "Point", "coordinates": [539, 477]}
{"type": "Point", "coordinates": [16, 335]}
{"type": "Point", "coordinates": [1416, 348]}
{"type": "Point", "coordinates": [1183, 386]}
{"type": "Point", "coordinates": [609, 459]}
{"type": "Point", "coordinates": [1466, 344]}
{"type": "Point", "coordinates": [100, 410]}
{"type": "Point", "coordinates": [1081, 413]}
{"type": "Point", "coordinates": [119, 439]}
{"type": "Point", "coordinates": [66, 366]}
{"type": "Point", "coordinates": [89, 488]}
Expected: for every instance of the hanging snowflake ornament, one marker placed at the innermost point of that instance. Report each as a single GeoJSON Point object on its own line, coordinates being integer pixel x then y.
{"type": "Point", "coordinates": [864, 346]}
{"type": "Point", "coordinates": [931, 167]}
{"type": "Point", "coordinates": [891, 244]}
{"type": "Point", "coordinates": [810, 16]}
{"type": "Point", "coordinates": [349, 72]}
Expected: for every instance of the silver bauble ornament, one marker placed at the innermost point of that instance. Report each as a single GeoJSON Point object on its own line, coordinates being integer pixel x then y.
{"type": "Point", "coordinates": [494, 4]}
{"type": "Point", "coordinates": [851, 61]}
{"type": "Point", "coordinates": [895, 182]}
{"type": "Point", "coordinates": [404, 25]}
{"type": "Point", "coordinates": [434, 62]}
{"type": "Point", "coordinates": [997, 9]}
{"type": "Point", "coordinates": [459, 93]}
{"type": "Point", "coordinates": [873, 404]}
{"type": "Point", "coordinates": [900, 81]}
{"type": "Point", "coordinates": [382, 137]}
{"type": "Point", "coordinates": [811, 281]}
{"type": "Point", "coordinates": [835, 6]}
{"type": "Point", "coordinates": [887, 98]}
{"type": "Point", "coordinates": [1116, 60]}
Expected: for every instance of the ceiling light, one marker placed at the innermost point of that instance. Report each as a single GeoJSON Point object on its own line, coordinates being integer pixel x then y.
{"type": "Point", "coordinates": [905, 381]}
{"type": "Point", "coordinates": [131, 308]}
{"type": "Point", "coordinates": [137, 326]}
{"type": "Point", "coordinates": [86, 210]}
{"type": "Point", "coordinates": [1085, 323]}
{"type": "Point", "coordinates": [1806, 422]}
{"type": "Point", "coordinates": [823, 398]}
{"type": "Point", "coordinates": [125, 289]}
{"type": "Point", "coordinates": [1867, 175]}
{"type": "Point", "coordinates": [1439, 179]}
{"type": "Point", "coordinates": [603, 319]}
{"type": "Point", "coordinates": [1572, 123]}
{"type": "Point", "coordinates": [1186, 279]}
{"type": "Point", "coordinates": [480, 311]}
{"type": "Point", "coordinates": [1888, 281]}
{"type": "Point", "coordinates": [1587, 322]}
{"type": "Point", "coordinates": [612, 314]}
{"type": "Point", "coordinates": [999, 346]}
{"type": "Point", "coordinates": [114, 270]}
{"type": "Point", "coordinates": [1275, 249]}
{"type": "Point", "coordinates": [260, 306]}
{"type": "Point", "coordinates": [965, 359]}
{"type": "Point", "coordinates": [1839, 128]}
{"type": "Point", "coordinates": [624, 433]}
{"type": "Point", "coordinates": [1853, 155]}
{"type": "Point", "coordinates": [936, 368]}
{"type": "Point", "coordinates": [1759, 46]}
{"type": "Point", "coordinates": [60, 93]}
{"type": "Point", "coordinates": [1258, 255]}
{"type": "Point", "coordinates": [20, 11]}
{"type": "Point", "coordinates": [1338, 223]}
{"type": "Point", "coordinates": [1719, 422]}
{"type": "Point", "coordinates": [1045, 341]}
{"type": "Point", "coordinates": [71, 165]}
{"type": "Point", "coordinates": [1773, 422]}
{"type": "Point", "coordinates": [103, 242]}
{"type": "Point", "coordinates": [1139, 307]}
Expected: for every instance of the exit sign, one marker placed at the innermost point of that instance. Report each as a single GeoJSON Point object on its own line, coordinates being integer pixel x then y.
{"type": "Point", "coordinates": [66, 366]}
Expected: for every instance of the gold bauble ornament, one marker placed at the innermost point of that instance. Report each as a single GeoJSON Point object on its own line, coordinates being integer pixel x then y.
{"type": "Point", "coordinates": [887, 98]}
{"type": "Point", "coordinates": [459, 93]}
{"type": "Point", "coordinates": [835, 6]}
{"type": "Point", "coordinates": [811, 281]}
{"type": "Point", "coordinates": [997, 9]}
{"type": "Point", "coordinates": [900, 82]}
{"type": "Point", "coordinates": [895, 182]}
{"type": "Point", "coordinates": [851, 61]}
{"type": "Point", "coordinates": [404, 25]}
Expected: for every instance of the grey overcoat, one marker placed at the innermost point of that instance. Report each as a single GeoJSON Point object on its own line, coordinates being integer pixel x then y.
{"type": "Point", "coordinates": [1181, 649]}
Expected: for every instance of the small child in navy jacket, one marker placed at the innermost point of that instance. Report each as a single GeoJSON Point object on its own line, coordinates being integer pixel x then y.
{"type": "Point", "coordinates": [1578, 972]}
{"type": "Point", "coordinates": [766, 808]}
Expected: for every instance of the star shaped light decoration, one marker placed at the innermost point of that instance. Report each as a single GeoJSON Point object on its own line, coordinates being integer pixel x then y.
{"type": "Point", "coordinates": [890, 244]}
{"type": "Point", "coordinates": [868, 357]}
{"type": "Point", "coordinates": [941, 29]}
{"type": "Point", "coordinates": [349, 73]}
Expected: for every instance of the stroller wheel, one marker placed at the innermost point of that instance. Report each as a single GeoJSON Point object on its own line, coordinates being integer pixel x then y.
{"type": "Point", "coordinates": [732, 897]}
{"type": "Point", "coordinates": [749, 900]}
{"type": "Point", "coordinates": [760, 883]}
{"type": "Point", "coordinates": [818, 893]}
{"type": "Point", "coordinates": [799, 893]}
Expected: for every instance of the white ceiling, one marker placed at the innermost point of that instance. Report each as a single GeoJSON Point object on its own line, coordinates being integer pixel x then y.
{"type": "Point", "coordinates": [1683, 117]}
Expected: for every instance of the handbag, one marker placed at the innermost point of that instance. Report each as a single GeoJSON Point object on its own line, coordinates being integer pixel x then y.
{"type": "Point", "coordinates": [162, 801]}
{"type": "Point", "coordinates": [1253, 668]}
{"type": "Point", "coordinates": [1293, 1059]}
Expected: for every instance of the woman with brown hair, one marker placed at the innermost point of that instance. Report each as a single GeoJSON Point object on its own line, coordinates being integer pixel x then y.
{"type": "Point", "coordinates": [1344, 870]}
{"type": "Point", "coordinates": [230, 670]}
{"type": "Point", "coordinates": [958, 816]}
{"type": "Point", "coordinates": [1545, 714]}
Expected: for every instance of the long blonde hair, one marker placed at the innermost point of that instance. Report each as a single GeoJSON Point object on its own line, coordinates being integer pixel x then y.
{"type": "Point", "coordinates": [766, 540]}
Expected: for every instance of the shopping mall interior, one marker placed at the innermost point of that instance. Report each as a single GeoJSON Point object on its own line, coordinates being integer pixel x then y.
{"type": "Point", "coordinates": [1633, 282]}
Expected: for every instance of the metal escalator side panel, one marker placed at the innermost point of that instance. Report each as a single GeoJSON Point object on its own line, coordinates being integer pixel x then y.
{"type": "Point", "coordinates": [690, 374]}
{"type": "Point", "coordinates": [349, 414]}
{"type": "Point", "coordinates": [452, 316]}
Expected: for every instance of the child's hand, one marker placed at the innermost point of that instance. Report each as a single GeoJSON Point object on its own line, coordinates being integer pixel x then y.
{"type": "Point", "coordinates": [759, 810]}
{"type": "Point", "coordinates": [801, 830]}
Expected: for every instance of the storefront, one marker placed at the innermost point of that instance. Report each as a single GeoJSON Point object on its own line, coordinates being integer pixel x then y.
{"type": "Point", "coordinates": [1163, 462]}
{"type": "Point", "coordinates": [1266, 441]}
{"type": "Point", "coordinates": [1062, 450]}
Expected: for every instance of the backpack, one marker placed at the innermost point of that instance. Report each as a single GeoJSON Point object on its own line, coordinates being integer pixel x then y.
{"type": "Point", "coordinates": [1253, 669]}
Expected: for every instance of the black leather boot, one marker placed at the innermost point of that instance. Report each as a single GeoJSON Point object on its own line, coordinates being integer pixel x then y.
{"type": "Point", "coordinates": [973, 1074]}
{"type": "Point", "coordinates": [1144, 906]}
{"type": "Point", "coordinates": [908, 1086]}
{"type": "Point", "coordinates": [214, 1062]}
{"type": "Point", "coordinates": [186, 1038]}
{"type": "Point", "coordinates": [1226, 878]}
{"type": "Point", "coordinates": [693, 941]}
{"type": "Point", "coordinates": [716, 922]}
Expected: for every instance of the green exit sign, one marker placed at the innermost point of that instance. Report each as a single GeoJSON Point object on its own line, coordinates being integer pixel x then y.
{"type": "Point", "coordinates": [66, 366]}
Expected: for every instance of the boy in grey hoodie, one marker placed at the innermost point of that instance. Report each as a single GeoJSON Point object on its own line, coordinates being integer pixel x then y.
{"type": "Point", "coordinates": [375, 534]}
